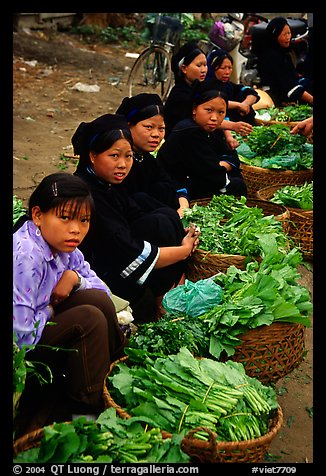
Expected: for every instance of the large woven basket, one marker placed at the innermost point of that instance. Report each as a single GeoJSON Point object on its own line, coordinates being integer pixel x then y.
{"type": "Point", "coordinates": [212, 451]}
{"type": "Point", "coordinates": [28, 441]}
{"type": "Point", "coordinates": [269, 353]}
{"type": "Point", "coordinates": [259, 177]}
{"type": "Point", "coordinates": [204, 264]}
{"type": "Point", "coordinates": [300, 224]}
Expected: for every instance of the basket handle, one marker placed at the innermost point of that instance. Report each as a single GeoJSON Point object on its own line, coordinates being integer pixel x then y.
{"type": "Point", "coordinates": [210, 445]}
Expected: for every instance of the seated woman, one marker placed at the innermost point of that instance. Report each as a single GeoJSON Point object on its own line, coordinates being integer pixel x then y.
{"type": "Point", "coordinates": [196, 155]}
{"type": "Point", "coordinates": [188, 64]}
{"type": "Point", "coordinates": [132, 250]}
{"type": "Point", "coordinates": [240, 98]}
{"type": "Point", "coordinates": [276, 68]}
{"type": "Point", "coordinates": [61, 308]}
{"type": "Point", "coordinates": [148, 182]}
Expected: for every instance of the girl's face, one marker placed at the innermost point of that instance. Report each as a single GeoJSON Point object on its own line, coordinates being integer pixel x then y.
{"type": "Point", "coordinates": [210, 114]}
{"type": "Point", "coordinates": [114, 164]}
{"type": "Point", "coordinates": [224, 71]}
{"type": "Point", "coordinates": [197, 69]}
{"type": "Point", "coordinates": [148, 134]}
{"type": "Point", "coordinates": [62, 231]}
{"type": "Point", "coordinates": [284, 38]}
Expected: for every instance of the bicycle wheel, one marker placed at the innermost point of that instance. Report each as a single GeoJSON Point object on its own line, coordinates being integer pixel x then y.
{"type": "Point", "coordinates": [151, 73]}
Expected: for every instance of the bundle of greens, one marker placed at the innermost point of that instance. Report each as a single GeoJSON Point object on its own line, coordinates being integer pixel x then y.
{"type": "Point", "coordinates": [297, 196]}
{"type": "Point", "coordinates": [170, 333]}
{"type": "Point", "coordinates": [109, 439]}
{"type": "Point", "coordinates": [229, 226]}
{"type": "Point", "coordinates": [274, 147]}
{"type": "Point", "coordinates": [18, 208]}
{"type": "Point", "coordinates": [181, 392]}
{"type": "Point", "coordinates": [291, 113]}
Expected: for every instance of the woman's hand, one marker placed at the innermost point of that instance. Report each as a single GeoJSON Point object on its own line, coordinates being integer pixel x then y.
{"type": "Point", "coordinates": [192, 238]}
{"type": "Point", "coordinates": [242, 128]}
{"type": "Point", "coordinates": [64, 286]}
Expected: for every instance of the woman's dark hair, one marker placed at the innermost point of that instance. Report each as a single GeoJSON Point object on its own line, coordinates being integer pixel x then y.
{"type": "Point", "coordinates": [184, 56]}
{"type": "Point", "coordinates": [205, 91]}
{"type": "Point", "coordinates": [56, 190]}
{"type": "Point", "coordinates": [140, 107]}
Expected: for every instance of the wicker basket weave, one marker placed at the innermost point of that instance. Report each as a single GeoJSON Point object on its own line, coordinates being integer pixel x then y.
{"type": "Point", "coordinates": [300, 225]}
{"type": "Point", "coordinates": [204, 264]}
{"type": "Point", "coordinates": [259, 177]}
{"type": "Point", "coordinates": [269, 353]}
{"type": "Point", "coordinates": [249, 451]}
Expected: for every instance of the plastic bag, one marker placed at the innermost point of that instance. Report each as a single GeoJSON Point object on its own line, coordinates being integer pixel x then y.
{"type": "Point", "coordinates": [193, 299]}
{"type": "Point", "coordinates": [280, 162]}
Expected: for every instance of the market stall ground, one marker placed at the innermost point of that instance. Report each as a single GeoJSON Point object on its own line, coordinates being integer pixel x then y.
{"type": "Point", "coordinates": [47, 108]}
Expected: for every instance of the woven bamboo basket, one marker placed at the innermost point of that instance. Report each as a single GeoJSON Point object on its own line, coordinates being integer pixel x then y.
{"type": "Point", "coordinates": [211, 450]}
{"type": "Point", "coordinates": [28, 441]}
{"type": "Point", "coordinates": [249, 451]}
{"type": "Point", "coordinates": [204, 264]}
{"type": "Point", "coordinates": [259, 177]}
{"type": "Point", "coordinates": [271, 352]}
{"type": "Point", "coordinates": [300, 224]}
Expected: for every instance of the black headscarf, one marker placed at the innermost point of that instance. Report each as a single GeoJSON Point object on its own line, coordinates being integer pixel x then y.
{"type": "Point", "coordinates": [87, 132]}
{"type": "Point", "coordinates": [140, 107]}
{"type": "Point", "coordinates": [215, 59]}
{"type": "Point", "coordinates": [184, 56]}
{"type": "Point", "coordinates": [274, 28]}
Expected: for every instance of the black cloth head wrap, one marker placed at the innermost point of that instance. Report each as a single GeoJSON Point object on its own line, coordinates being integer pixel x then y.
{"type": "Point", "coordinates": [87, 132]}
{"type": "Point", "coordinates": [204, 91]}
{"type": "Point", "coordinates": [216, 58]}
{"type": "Point", "coordinates": [140, 107]}
{"type": "Point", "coordinates": [274, 28]}
{"type": "Point", "coordinates": [185, 55]}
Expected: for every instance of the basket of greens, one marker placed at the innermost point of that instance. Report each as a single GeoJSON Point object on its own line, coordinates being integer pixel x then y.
{"type": "Point", "coordinates": [233, 417]}
{"type": "Point", "coordinates": [106, 440]}
{"type": "Point", "coordinates": [270, 155]}
{"type": "Point", "coordinates": [229, 228]}
{"type": "Point", "coordinates": [299, 201]}
{"type": "Point", "coordinates": [288, 115]}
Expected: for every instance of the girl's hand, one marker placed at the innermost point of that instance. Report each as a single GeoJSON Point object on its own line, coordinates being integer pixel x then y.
{"type": "Point", "coordinates": [64, 286]}
{"type": "Point", "coordinates": [226, 165]}
{"type": "Point", "coordinates": [244, 108]}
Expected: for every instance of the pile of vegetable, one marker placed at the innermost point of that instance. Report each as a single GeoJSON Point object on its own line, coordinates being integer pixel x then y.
{"type": "Point", "coordinates": [274, 147]}
{"type": "Point", "coordinates": [18, 209]}
{"type": "Point", "coordinates": [180, 392]}
{"type": "Point", "coordinates": [106, 440]}
{"type": "Point", "coordinates": [251, 298]}
{"type": "Point", "coordinates": [229, 226]}
{"type": "Point", "coordinates": [291, 113]}
{"type": "Point", "coordinates": [296, 196]}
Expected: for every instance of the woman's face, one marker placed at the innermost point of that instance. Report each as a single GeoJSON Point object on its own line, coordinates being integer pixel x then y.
{"type": "Point", "coordinates": [224, 71]}
{"type": "Point", "coordinates": [60, 228]}
{"type": "Point", "coordinates": [210, 114]}
{"type": "Point", "coordinates": [284, 38]}
{"type": "Point", "coordinates": [114, 164]}
{"type": "Point", "coordinates": [148, 134]}
{"type": "Point", "coordinates": [197, 69]}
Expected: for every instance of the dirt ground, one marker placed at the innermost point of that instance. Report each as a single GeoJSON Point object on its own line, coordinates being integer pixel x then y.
{"type": "Point", "coordinates": [46, 112]}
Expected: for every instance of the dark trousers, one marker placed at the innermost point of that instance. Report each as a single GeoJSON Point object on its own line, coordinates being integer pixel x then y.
{"type": "Point", "coordinates": [87, 333]}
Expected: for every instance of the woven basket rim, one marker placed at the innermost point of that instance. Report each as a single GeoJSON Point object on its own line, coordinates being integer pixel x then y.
{"type": "Point", "coordinates": [273, 121]}
{"type": "Point", "coordinates": [283, 171]}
